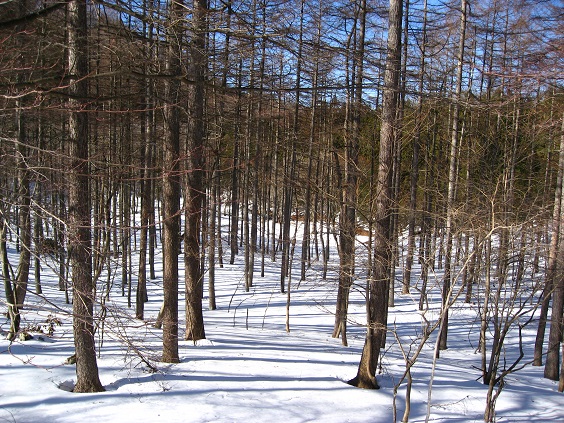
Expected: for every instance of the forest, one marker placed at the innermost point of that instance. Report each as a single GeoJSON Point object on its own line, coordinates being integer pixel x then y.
{"type": "Point", "coordinates": [409, 151]}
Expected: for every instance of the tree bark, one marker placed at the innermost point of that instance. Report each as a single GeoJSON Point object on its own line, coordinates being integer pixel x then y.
{"type": "Point", "coordinates": [377, 308]}
{"type": "Point", "coordinates": [552, 257]}
{"type": "Point", "coordinates": [194, 277]}
{"type": "Point", "coordinates": [13, 313]}
{"type": "Point", "coordinates": [171, 183]}
{"type": "Point", "coordinates": [79, 232]}
{"type": "Point", "coordinates": [551, 367]}
{"type": "Point", "coordinates": [414, 174]}
{"type": "Point", "coordinates": [453, 157]}
{"type": "Point", "coordinates": [291, 168]}
{"type": "Point", "coordinates": [347, 218]}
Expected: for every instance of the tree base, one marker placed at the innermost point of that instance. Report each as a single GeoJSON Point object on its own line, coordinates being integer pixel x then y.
{"type": "Point", "coordinates": [364, 383]}
{"type": "Point", "coordinates": [88, 388]}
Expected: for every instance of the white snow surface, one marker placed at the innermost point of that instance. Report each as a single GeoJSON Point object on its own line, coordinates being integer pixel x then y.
{"type": "Point", "coordinates": [249, 369]}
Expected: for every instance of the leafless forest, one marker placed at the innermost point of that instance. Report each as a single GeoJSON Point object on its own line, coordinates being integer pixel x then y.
{"type": "Point", "coordinates": [434, 128]}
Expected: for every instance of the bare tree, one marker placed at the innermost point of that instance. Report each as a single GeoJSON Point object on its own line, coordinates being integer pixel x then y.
{"type": "Point", "coordinates": [452, 179]}
{"type": "Point", "coordinates": [347, 217]}
{"type": "Point", "coordinates": [79, 237]}
{"type": "Point", "coordinates": [415, 161]}
{"type": "Point", "coordinates": [551, 367]}
{"type": "Point", "coordinates": [171, 181]}
{"type": "Point", "coordinates": [377, 301]}
{"type": "Point", "coordinates": [195, 188]}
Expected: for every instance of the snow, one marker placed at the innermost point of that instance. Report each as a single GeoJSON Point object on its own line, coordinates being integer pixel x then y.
{"type": "Point", "coordinates": [249, 369]}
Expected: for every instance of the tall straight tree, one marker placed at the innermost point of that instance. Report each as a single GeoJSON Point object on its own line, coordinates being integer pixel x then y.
{"type": "Point", "coordinates": [551, 263]}
{"type": "Point", "coordinates": [555, 277]}
{"type": "Point", "coordinates": [454, 141]}
{"type": "Point", "coordinates": [291, 169]}
{"type": "Point", "coordinates": [147, 158]}
{"type": "Point", "coordinates": [79, 236]}
{"type": "Point", "coordinates": [23, 191]}
{"type": "Point", "coordinates": [13, 314]}
{"type": "Point", "coordinates": [306, 240]}
{"type": "Point", "coordinates": [347, 218]}
{"type": "Point", "coordinates": [377, 301]}
{"type": "Point", "coordinates": [194, 277]}
{"type": "Point", "coordinates": [171, 182]}
{"type": "Point", "coordinates": [415, 161]}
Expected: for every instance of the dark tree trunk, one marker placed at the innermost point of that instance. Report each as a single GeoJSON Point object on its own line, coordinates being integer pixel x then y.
{"type": "Point", "coordinates": [414, 173]}
{"type": "Point", "coordinates": [13, 313]}
{"type": "Point", "coordinates": [146, 200]}
{"type": "Point", "coordinates": [24, 215]}
{"type": "Point", "coordinates": [79, 235]}
{"type": "Point", "coordinates": [552, 258]}
{"type": "Point", "coordinates": [377, 301]}
{"type": "Point", "coordinates": [347, 219]}
{"type": "Point", "coordinates": [171, 184]}
{"type": "Point", "coordinates": [195, 190]}
{"type": "Point", "coordinates": [306, 240]}
{"type": "Point", "coordinates": [551, 367]}
{"type": "Point", "coordinates": [37, 237]}
{"type": "Point", "coordinates": [291, 169]}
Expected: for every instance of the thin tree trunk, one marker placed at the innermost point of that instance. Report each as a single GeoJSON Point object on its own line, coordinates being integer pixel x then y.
{"type": "Point", "coordinates": [552, 257]}
{"type": "Point", "coordinates": [171, 183]}
{"type": "Point", "coordinates": [37, 237]}
{"type": "Point", "coordinates": [195, 190]}
{"type": "Point", "coordinates": [214, 196]}
{"type": "Point", "coordinates": [347, 218]}
{"type": "Point", "coordinates": [13, 313]}
{"type": "Point", "coordinates": [414, 175]}
{"type": "Point", "coordinates": [306, 240]}
{"type": "Point", "coordinates": [453, 157]}
{"type": "Point", "coordinates": [146, 198]}
{"type": "Point", "coordinates": [551, 367]}
{"type": "Point", "coordinates": [290, 176]}
{"type": "Point", "coordinates": [24, 213]}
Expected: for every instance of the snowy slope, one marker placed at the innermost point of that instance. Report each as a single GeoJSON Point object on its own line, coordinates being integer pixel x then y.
{"type": "Point", "coordinates": [250, 370]}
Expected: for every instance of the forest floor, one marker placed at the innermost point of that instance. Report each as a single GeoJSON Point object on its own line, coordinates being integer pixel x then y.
{"type": "Point", "coordinates": [249, 369]}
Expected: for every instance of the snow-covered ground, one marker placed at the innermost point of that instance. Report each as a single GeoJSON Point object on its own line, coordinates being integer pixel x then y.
{"type": "Point", "coordinates": [251, 370]}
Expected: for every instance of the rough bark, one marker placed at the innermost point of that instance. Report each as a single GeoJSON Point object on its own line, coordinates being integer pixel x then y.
{"type": "Point", "coordinates": [551, 367]}
{"type": "Point", "coordinates": [377, 308]}
{"type": "Point", "coordinates": [171, 185]}
{"type": "Point", "coordinates": [194, 277]}
{"type": "Point", "coordinates": [79, 233]}
{"type": "Point", "coordinates": [347, 218]}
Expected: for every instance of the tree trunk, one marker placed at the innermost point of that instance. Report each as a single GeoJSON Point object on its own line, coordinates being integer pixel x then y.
{"type": "Point", "coordinates": [24, 215]}
{"type": "Point", "coordinates": [347, 218]}
{"type": "Point", "coordinates": [291, 171]}
{"type": "Point", "coordinates": [37, 237]}
{"type": "Point", "coordinates": [552, 257]}
{"type": "Point", "coordinates": [171, 183]}
{"type": "Point", "coordinates": [195, 190]}
{"type": "Point", "coordinates": [79, 236]}
{"type": "Point", "coordinates": [377, 308]}
{"type": "Point", "coordinates": [414, 174]}
{"type": "Point", "coordinates": [551, 368]}
{"type": "Point", "coordinates": [455, 135]}
{"type": "Point", "coordinates": [146, 196]}
{"type": "Point", "coordinates": [215, 211]}
{"type": "Point", "coordinates": [306, 240]}
{"type": "Point", "coordinates": [235, 174]}
{"type": "Point", "coordinates": [13, 313]}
